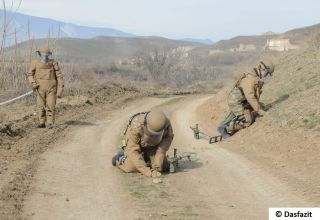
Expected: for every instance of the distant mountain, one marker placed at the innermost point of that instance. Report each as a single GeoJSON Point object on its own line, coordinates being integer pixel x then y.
{"type": "Point", "coordinates": [201, 41]}
{"type": "Point", "coordinates": [105, 49]}
{"type": "Point", "coordinates": [298, 36]}
{"type": "Point", "coordinates": [39, 28]}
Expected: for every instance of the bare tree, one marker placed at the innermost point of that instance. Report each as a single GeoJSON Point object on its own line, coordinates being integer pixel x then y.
{"type": "Point", "coordinates": [11, 72]}
{"type": "Point", "coordinates": [6, 22]}
{"type": "Point", "coordinates": [4, 27]}
{"type": "Point", "coordinates": [159, 63]}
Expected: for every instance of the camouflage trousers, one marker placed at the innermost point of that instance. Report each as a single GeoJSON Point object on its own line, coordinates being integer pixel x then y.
{"type": "Point", "coordinates": [237, 121]}
{"type": "Point", "coordinates": [46, 101]}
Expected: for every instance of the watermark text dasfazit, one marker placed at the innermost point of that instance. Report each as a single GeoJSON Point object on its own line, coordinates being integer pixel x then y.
{"type": "Point", "coordinates": [294, 213]}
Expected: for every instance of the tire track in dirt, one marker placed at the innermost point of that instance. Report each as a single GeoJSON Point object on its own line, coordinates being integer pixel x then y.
{"type": "Point", "coordinates": [76, 180]}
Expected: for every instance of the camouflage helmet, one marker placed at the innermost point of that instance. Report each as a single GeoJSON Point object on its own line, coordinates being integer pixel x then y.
{"type": "Point", "coordinates": [268, 65]}
{"type": "Point", "coordinates": [155, 121]}
{"type": "Point", "coordinates": [44, 50]}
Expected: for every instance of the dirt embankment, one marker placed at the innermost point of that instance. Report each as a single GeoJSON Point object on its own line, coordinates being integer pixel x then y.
{"type": "Point", "coordinates": [290, 154]}
{"type": "Point", "coordinates": [285, 143]}
{"type": "Point", "coordinates": [21, 143]}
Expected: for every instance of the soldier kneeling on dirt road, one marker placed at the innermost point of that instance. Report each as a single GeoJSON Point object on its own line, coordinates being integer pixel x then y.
{"type": "Point", "coordinates": [145, 142]}
{"type": "Point", "coordinates": [243, 100]}
{"type": "Point", "coordinates": [46, 79]}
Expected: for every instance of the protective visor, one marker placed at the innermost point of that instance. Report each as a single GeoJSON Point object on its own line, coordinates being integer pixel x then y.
{"type": "Point", "coordinates": [267, 68]}
{"type": "Point", "coordinates": [152, 138]}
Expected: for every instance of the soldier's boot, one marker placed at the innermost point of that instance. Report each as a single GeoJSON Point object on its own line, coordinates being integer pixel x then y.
{"type": "Point", "coordinates": [41, 125]}
{"type": "Point", "coordinates": [50, 126]}
{"type": "Point", "coordinates": [118, 157]}
{"type": "Point", "coordinates": [223, 131]}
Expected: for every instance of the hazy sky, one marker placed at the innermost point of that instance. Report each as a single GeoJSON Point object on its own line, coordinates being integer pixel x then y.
{"type": "Point", "coordinates": [213, 19]}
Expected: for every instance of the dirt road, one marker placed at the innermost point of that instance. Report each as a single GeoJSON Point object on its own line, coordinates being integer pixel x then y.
{"type": "Point", "coordinates": [75, 179]}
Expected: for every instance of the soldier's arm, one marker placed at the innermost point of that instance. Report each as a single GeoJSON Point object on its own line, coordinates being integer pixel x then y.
{"type": "Point", "coordinates": [59, 78]}
{"type": "Point", "coordinates": [163, 148]}
{"type": "Point", "coordinates": [258, 94]}
{"type": "Point", "coordinates": [134, 151]}
{"type": "Point", "coordinates": [259, 89]}
{"type": "Point", "coordinates": [58, 74]}
{"type": "Point", "coordinates": [31, 72]}
{"type": "Point", "coordinates": [248, 88]}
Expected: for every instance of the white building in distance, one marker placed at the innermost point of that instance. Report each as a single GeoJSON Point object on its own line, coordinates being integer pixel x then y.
{"type": "Point", "coordinates": [280, 45]}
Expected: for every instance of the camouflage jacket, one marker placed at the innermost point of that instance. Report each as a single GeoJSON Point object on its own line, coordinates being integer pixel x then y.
{"type": "Point", "coordinates": [45, 71]}
{"type": "Point", "coordinates": [248, 88]}
{"type": "Point", "coordinates": [135, 145]}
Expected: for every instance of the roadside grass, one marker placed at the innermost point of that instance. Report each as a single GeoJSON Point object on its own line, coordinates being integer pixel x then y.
{"type": "Point", "coordinates": [157, 200]}
{"type": "Point", "coordinates": [312, 121]}
{"type": "Point", "coordinates": [143, 188]}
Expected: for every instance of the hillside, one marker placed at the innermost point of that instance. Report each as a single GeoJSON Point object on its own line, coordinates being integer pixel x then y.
{"type": "Point", "coordinates": [300, 35]}
{"type": "Point", "coordinates": [120, 57]}
{"type": "Point", "coordinates": [104, 49]}
{"type": "Point", "coordinates": [293, 93]}
{"type": "Point", "coordinates": [235, 55]}
{"type": "Point", "coordinates": [285, 142]}
{"type": "Point", "coordinates": [297, 36]}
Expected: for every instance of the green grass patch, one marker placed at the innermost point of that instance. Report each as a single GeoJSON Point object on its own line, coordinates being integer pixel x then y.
{"type": "Point", "coordinates": [312, 121]}
{"type": "Point", "coordinates": [146, 192]}
{"type": "Point", "coordinates": [291, 122]}
{"type": "Point", "coordinates": [139, 193]}
{"type": "Point", "coordinates": [164, 194]}
{"type": "Point", "coordinates": [310, 84]}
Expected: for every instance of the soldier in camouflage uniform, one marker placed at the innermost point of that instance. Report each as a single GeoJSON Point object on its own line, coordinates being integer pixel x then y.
{"type": "Point", "coordinates": [243, 100]}
{"type": "Point", "coordinates": [145, 142]}
{"type": "Point", "coordinates": [46, 78]}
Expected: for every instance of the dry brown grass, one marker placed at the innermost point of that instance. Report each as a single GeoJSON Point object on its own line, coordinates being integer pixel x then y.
{"type": "Point", "coordinates": [293, 92]}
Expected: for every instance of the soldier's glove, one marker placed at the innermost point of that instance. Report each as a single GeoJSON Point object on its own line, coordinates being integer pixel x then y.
{"type": "Point", "coordinates": [155, 173]}
{"type": "Point", "coordinates": [35, 86]}
{"type": "Point", "coordinates": [60, 91]}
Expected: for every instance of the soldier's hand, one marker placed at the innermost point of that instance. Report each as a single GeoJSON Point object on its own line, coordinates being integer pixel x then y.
{"type": "Point", "coordinates": [59, 92]}
{"type": "Point", "coordinates": [35, 86]}
{"type": "Point", "coordinates": [155, 173]}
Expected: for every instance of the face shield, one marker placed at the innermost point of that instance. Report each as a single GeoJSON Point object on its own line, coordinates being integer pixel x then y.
{"type": "Point", "coordinates": [265, 70]}
{"type": "Point", "coordinates": [44, 57]}
{"type": "Point", "coordinates": [152, 138]}
{"type": "Point", "coordinates": [264, 73]}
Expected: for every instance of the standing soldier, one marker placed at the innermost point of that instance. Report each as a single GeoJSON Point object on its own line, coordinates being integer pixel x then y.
{"type": "Point", "coordinates": [46, 79]}
{"type": "Point", "coordinates": [145, 142]}
{"type": "Point", "coordinates": [243, 100]}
